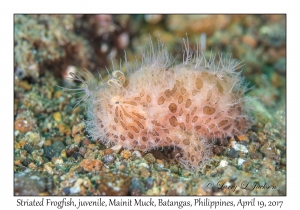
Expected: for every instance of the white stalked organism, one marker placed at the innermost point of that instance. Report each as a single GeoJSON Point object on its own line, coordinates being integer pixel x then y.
{"type": "Point", "coordinates": [162, 104]}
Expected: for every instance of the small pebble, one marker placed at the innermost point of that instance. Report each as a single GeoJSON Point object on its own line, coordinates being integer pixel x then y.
{"type": "Point", "coordinates": [78, 139]}
{"type": "Point", "coordinates": [232, 153]}
{"type": "Point", "coordinates": [64, 129]}
{"type": "Point", "coordinates": [144, 172]}
{"type": "Point", "coordinates": [87, 183]}
{"type": "Point", "coordinates": [71, 149]}
{"type": "Point", "coordinates": [25, 85]}
{"type": "Point", "coordinates": [149, 158]}
{"type": "Point", "coordinates": [63, 153]}
{"type": "Point", "coordinates": [48, 167]}
{"type": "Point", "coordinates": [269, 150]}
{"type": "Point", "coordinates": [245, 143]}
{"type": "Point", "coordinates": [82, 151]}
{"type": "Point", "coordinates": [17, 146]}
{"type": "Point", "coordinates": [66, 191]}
{"type": "Point", "coordinates": [77, 155]}
{"type": "Point", "coordinates": [218, 150]}
{"type": "Point", "coordinates": [57, 161]}
{"type": "Point", "coordinates": [149, 183]}
{"type": "Point", "coordinates": [26, 162]}
{"type": "Point", "coordinates": [240, 161]}
{"type": "Point", "coordinates": [78, 128]}
{"type": "Point", "coordinates": [28, 148]}
{"type": "Point", "coordinates": [223, 163]}
{"type": "Point", "coordinates": [137, 154]}
{"type": "Point", "coordinates": [91, 165]}
{"type": "Point", "coordinates": [86, 142]}
{"type": "Point", "coordinates": [253, 137]}
{"type": "Point", "coordinates": [239, 147]}
{"type": "Point", "coordinates": [249, 40]}
{"type": "Point", "coordinates": [78, 182]}
{"type": "Point", "coordinates": [57, 116]}
{"type": "Point", "coordinates": [126, 154]}
{"type": "Point", "coordinates": [137, 187]}
{"type": "Point", "coordinates": [174, 169]}
{"type": "Point", "coordinates": [256, 155]}
{"type": "Point", "coordinates": [246, 166]}
{"type": "Point", "coordinates": [144, 165]}
{"type": "Point", "coordinates": [32, 166]}
{"type": "Point", "coordinates": [108, 159]}
{"type": "Point", "coordinates": [23, 125]}
{"type": "Point", "coordinates": [58, 146]}
{"type": "Point", "coordinates": [116, 148]}
{"type": "Point", "coordinates": [108, 151]}
{"type": "Point", "coordinates": [50, 152]}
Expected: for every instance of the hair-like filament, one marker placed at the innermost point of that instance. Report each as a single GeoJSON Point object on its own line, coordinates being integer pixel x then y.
{"type": "Point", "coordinates": [118, 78]}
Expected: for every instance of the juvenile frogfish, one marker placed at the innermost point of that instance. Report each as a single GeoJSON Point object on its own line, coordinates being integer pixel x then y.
{"type": "Point", "coordinates": [163, 104]}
